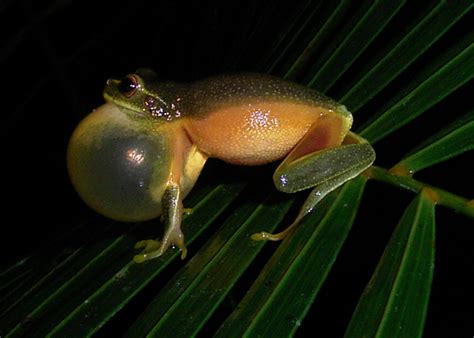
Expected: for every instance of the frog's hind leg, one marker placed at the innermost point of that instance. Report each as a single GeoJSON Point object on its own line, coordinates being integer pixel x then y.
{"type": "Point", "coordinates": [324, 167]}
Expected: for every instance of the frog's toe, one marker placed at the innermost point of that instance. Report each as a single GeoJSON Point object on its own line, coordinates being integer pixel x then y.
{"type": "Point", "coordinates": [175, 240]}
{"type": "Point", "coordinates": [148, 245]}
{"type": "Point", "coordinates": [174, 237]}
{"type": "Point", "coordinates": [150, 248]}
{"type": "Point", "coordinates": [153, 249]}
{"type": "Point", "coordinates": [140, 258]}
{"type": "Point", "coordinates": [267, 236]}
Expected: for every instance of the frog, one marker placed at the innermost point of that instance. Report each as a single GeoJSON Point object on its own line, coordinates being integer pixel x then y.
{"type": "Point", "coordinates": [138, 155]}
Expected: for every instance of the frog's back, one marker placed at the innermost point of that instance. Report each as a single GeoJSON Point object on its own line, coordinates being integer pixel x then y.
{"type": "Point", "coordinates": [232, 89]}
{"type": "Point", "coordinates": [253, 119]}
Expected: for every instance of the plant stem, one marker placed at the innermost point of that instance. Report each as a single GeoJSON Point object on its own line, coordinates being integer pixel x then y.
{"type": "Point", "coordinates": [437, 195]}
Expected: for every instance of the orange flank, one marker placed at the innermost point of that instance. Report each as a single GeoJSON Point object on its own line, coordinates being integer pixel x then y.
{"type": "Point", "coordinates": [257, 133]}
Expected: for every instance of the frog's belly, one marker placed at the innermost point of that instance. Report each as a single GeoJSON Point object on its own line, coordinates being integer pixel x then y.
{"type": "Point", "coordinates": [253, 134]}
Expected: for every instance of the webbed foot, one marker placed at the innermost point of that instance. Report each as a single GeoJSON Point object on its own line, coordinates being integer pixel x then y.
{"type": "Point", "coordinates": [153, 248]}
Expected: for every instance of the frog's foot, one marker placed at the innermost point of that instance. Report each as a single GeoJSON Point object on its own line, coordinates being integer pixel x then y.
{"type": "Point", "coordinates": [153, 249]}
{"type": "Point", "coordinates": [150, 248]}
{"type": "Point", "coordinates": [266, 236]}
{"type": "Point", "coordinates": [148, 245]}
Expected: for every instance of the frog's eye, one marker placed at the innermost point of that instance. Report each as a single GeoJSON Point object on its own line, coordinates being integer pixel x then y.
{"type": "Point", "coordinates": [128, 86]}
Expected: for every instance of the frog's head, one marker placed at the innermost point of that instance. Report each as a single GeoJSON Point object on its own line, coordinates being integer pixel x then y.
{"type": "Point", "coordinates": [141, 96]}
{"type": "Point", "coordinates": [118, 165]}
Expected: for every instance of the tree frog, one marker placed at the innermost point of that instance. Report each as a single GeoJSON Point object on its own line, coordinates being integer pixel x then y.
{"type": "Point", "coordinates": [137, 156]}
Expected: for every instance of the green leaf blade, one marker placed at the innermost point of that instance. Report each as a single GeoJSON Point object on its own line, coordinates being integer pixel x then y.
{"type": "Point", "coordinates": [108, 299]}
{"type": "Point", "coordinates": [443, 82]}
{"type": "Point", "coordinates": [371, 24]}
{"type": "Point", "coordinates": [292, 39]}
{"type": "Point", "coordinates": [395, 300]}
{"type": "Point", "coordinates": [282, 295]}
{"type": "Point", "coordinates": [449, 144]}
{"type": "Point", "coordinates": [335, 17]}
{"type": "Point", "coordinates": [66, 293]}
{"type": "Point", "coordinates": [274, 54]}
{"type": "Point", "coordinates": [432, 28]}
{"type": "Point", "coordinates": [197, 303]}
{"type": "Point", "coordinates": [189, 273]}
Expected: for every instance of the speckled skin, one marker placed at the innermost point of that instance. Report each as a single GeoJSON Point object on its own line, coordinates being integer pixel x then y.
{"type": "Point", "coordinates": [138, 155]}
{"type": "Point", "coordinates": [246, 119]}
{"type": "Point", "coordinates": [224, 90]}
{"type": "Point", "coordinates": [252, 119]}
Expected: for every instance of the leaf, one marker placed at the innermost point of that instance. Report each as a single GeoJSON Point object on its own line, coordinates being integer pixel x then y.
{"type": "Point", "coordinates": [431, 27]}
{"type": "Point", "coordinates": [444, 81]}
{"type": "Point", "coordinates": [361, 35]}
{"type": "Point", "coordinates": [46, 274]}
{"type": "Point", "coordinates": [281, 296]}
{"type": "Point", "coordinates": [295, 30]}
{"type": "Point", "coordinates": [335, 15]}
{"type": "Point", "coordinates": [189, 273]}
{"type": "Point", "coordinates": [112, 295]}
{"type": "Point", "coordinates": [119, 278]}
{"type": "Point", "coordinates": [193, 305]}
{"type": "Point", "coordinates": [215, 280]}
{"type": "Point", "coordinates": [395, 301]}
{"type": "Point", "coordinates": [442, 197]}
{"type": "Point", "coordinates": [452, 141]}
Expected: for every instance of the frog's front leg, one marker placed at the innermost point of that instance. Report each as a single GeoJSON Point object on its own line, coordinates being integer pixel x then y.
{"type": "Point", "coordinates": [320, 164]}
{"type": "Point", "coordinates": [187, 162]}
{"type": "Point", "coordinates": [172, 216]}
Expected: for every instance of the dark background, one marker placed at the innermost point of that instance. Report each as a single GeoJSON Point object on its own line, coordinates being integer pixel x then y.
{"type": "Point", "coordinates": [55, 59]}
